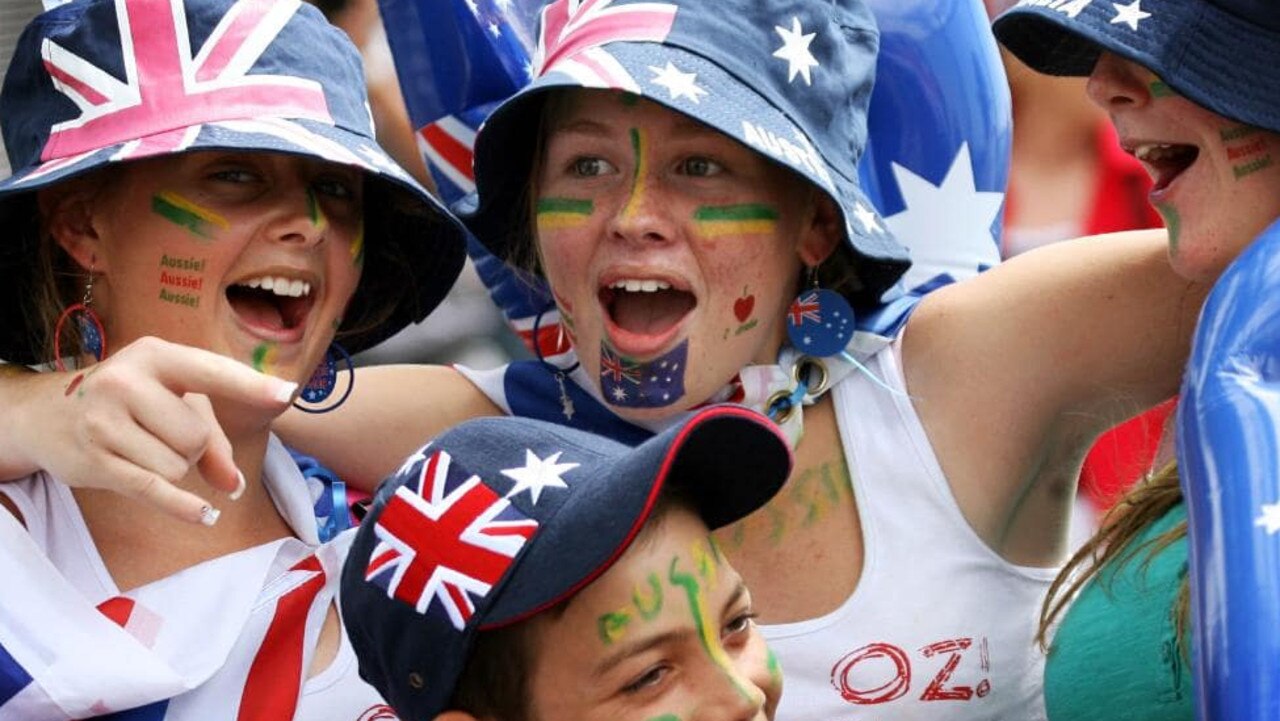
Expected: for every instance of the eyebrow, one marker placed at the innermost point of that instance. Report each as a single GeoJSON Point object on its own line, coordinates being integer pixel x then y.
{"type": "Point", "coordinates": [634, 648]}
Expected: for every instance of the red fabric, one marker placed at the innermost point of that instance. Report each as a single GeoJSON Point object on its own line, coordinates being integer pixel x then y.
{"type": "Point", "coordinates": [1124, 453]}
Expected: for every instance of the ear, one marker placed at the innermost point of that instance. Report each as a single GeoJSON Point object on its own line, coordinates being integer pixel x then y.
{"type": "Point", "coordinates": [823, 232]}
{"type": "Point", "coordinates": [66, 213]}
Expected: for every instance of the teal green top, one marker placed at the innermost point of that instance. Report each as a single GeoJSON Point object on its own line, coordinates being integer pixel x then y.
{"type": "Point", "coordinates": [1115, 656]}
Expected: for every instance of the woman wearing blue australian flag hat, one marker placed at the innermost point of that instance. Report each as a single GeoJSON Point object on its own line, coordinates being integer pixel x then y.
{"type": "Point", "coordinates": [683, 174]}
{"type": "Point", "coordinates": [197, 185]}
{"type": "Point", "coordinates": [1191, 89]}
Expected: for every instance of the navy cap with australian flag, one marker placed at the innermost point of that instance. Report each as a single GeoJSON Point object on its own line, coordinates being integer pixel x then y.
{"type": "Point", "coordinates": [499, 519]}
{"type": "Point", "coordinates": [790, 79]}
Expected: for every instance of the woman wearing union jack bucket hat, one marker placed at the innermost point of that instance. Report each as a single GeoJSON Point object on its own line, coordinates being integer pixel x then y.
{"type": "Point", "coordinates": [683, 175]}
{"type": "Point", "coordinates": [197, 184]}
{"type": "Point", "coordinates": [1191, 88]}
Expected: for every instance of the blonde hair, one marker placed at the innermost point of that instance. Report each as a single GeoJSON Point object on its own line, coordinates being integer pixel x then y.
{"type": "Point", "coordinates": [1146, 503]}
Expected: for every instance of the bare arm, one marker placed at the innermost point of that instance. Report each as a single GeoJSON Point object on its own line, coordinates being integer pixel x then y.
{"type": "Point", "coordinates": [1016, 372]}
{"type": "Point", "coordinates": [392, 411]}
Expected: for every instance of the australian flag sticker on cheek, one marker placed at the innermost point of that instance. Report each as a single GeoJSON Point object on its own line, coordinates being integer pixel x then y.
{"type": "Point", "coordinates": [820, 323]}
{"type": "Point", "coordinates": [656, 383]}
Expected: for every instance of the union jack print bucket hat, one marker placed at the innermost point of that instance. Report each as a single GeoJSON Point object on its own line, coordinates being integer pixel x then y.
{"type": "Point", "coordinates": [790, 79]}
{"type": "Point", "coordinates": [95, 82]}
{"type": "Point", "coordinates": [1220, 54]}
{"type": "Point", "coordinates": [500, 519]}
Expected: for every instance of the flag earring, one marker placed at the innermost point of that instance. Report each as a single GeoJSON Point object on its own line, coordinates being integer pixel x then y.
{"type": "Point", "coordinates": [93, 339]}
{"type": "Point", "coordinates": [325, 378]}
{"type": "Point", "coordinates": [820, 321]}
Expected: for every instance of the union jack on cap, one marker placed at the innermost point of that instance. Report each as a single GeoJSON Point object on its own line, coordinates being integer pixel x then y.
{"type": "Point", "coordinates": [96, 82]}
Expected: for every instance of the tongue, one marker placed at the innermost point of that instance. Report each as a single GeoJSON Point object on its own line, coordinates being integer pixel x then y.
{"type": "Point", "coordinates": [257, 309]}
{"type": "Point", "coordinates": [650, 313]}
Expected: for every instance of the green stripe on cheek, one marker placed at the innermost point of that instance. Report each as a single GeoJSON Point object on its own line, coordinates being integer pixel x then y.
{"type": "Point", "coordinates": [555, 213]}
{"type": "Point", "coordinates": [182, 212]}
{"type": "Point", "coordinates": [746, 218]}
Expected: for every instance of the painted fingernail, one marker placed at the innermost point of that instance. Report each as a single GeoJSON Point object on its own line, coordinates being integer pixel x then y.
{"type": "Point", "coordinates": [209, 515]}
{"type": "Point", "coordinates": [284, 391]}
{"type": "Point", "coordinates": [239, 491]}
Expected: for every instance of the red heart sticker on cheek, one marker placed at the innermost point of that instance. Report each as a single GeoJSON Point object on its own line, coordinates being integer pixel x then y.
{"type": "Point", "coordinates": [742, 307]}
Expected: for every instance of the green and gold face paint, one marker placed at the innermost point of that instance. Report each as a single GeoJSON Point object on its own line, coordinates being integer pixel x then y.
{"type": "Point", "coordinates": [315, 212]}
{"type": "Point", "coordinates": [708, 630]}
{"type": "Point", "coordinates": [198, 220]}
{"type": "Point", "coordinates": [743, 219]}
{"type": "Point", "coordinates": [639, 148]}
{"type": "Point", "coordinates": [357, 247]}
{"type": "Point", "coordinates": [561, 213]}
{"type": "Point", "coordinates": [264, 358]}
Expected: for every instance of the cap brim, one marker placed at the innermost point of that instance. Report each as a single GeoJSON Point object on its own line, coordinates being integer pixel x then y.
{"type": "Point", "coordinates": [1181, 42]}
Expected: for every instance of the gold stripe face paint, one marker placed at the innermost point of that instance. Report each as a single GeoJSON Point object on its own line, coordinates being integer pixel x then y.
{"type": "Point", "coordinates": [315, 213]}
{"type": "Point", "coordinates": [264, 358]}
{"type": "Point", "coordinates": [639, 146]}
{"type": "Point", "coordinates": [560, 213]}
{"type": "Point", "coordinates": [200, 221]}
{"type": "Point", "coordinates": [743, 219]}
{"type": "Point", "coordinates": [357, 246]}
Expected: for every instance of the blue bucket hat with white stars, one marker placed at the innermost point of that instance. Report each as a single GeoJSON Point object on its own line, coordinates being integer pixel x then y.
{"type": "Point", "coordinates": [1220, 54]}
{"type": "Point", "coordinates": [790, 79]}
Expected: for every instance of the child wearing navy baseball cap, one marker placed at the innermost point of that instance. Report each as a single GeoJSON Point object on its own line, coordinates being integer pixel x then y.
{"type": "Point", "coordinates": [515, 569]}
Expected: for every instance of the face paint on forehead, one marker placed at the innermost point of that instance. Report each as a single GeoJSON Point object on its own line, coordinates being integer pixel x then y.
{"type": "Point", "coordinates": [744, 219]}
{"type": "Point", "coordinates": [198, 220]}
{"type": "Point", "coordinates": [645, 602]}
{"type": "Point", "coordinates": [630, 383]}
{"type": "Point", "coordinates": [708, 629]}
{"type": "Point", "coordinates": [639, 148]}
{"type": "Point", "coordinates": [560, 213]}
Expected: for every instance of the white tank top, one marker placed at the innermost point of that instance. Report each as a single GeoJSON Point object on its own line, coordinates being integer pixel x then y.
{"type": "Point", "coordinates": [203, 629]}
{"type": "Point", "coordinates": [939, 626]}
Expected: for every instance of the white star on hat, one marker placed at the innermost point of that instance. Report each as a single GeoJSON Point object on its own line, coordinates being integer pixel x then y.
{"type": "Point", "coordinates": [538, 474]}
{"type": "Point", "coordinates": [867, 218]}
{"type": "Point", "coordinates": [1130, 14]}
{"type": "Point", "coordinates": [795, 50]}
{"type": "Point", "coordinates": [679, 84]}
{"type": "Point", "coordinates": [1270, 517]}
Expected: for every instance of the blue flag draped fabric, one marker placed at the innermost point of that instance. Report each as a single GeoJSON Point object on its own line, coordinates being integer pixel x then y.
{"type": "Point", "coordinates": [936, 163]}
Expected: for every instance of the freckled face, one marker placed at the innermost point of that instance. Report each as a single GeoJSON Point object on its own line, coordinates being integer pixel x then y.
{"type": "Point", "coordinates": [650, 226]}
{"type": "Point", "coordinates": [666, 633]}
{"type": "Point", "coordinates": [1217, 181]}
{"type": "Point", "coordinates": [185, 245]}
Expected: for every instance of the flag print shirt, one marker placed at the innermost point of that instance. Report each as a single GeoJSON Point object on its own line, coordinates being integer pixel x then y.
{"type": "Point", "coordinates": [229, 638]}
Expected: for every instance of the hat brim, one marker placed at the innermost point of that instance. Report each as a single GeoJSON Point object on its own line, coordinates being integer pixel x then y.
{"type": "Point", "coordinates": [504, 153]}
{"type": "Point", "coordinates": [426, 243]}
{"type": "Point", "coordinates": [727, 460]}
{"type": "Point", "coordinates": [1181, 42]}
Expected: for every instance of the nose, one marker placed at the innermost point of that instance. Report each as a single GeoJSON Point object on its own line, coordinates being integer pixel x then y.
{"type": "Point", "coordinates": [731, 695]}
{"type": "Point", "coordinates": [301, 219]}
{"type": "Point", "coordinates": [643, 215]}
{"type": "Point", "coordinates": [1117, 83]}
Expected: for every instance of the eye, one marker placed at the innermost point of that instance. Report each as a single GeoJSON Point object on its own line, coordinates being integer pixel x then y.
{"type": "Point", "coordinates": [700, 167]}
{"type": "Point", "coordinates": [590, 167]}
{"type": "Point", "coordinates": [234, 175]}
{"type": "Point", "coordinates": [738, 625]}
{"type": "Point", "coordinates": [650, 678]}
{"type": "Point", "coordinates": [341, 188]}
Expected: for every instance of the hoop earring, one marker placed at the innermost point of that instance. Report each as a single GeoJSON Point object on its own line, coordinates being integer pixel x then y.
{"type": "Point", "coordinates": [93, 338]}
{"type": "Point", "coordinates": [325, 378]}
{"type": "Point", "coordinates": [820, 321]}
{"type": "Point", "coordinates": [566, 403]}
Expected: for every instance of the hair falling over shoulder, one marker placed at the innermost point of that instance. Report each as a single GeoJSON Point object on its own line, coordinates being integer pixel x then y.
{"type": "Point", "coordinates": [1146, 503]}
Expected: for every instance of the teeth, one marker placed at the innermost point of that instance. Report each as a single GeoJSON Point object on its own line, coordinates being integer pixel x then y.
{"type": "Point", "coordinates": [640, 286]}
{"type": "Point", "coordinates": [1154, 152]}
{"type": "Point", "coordinates": [280, 286]}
